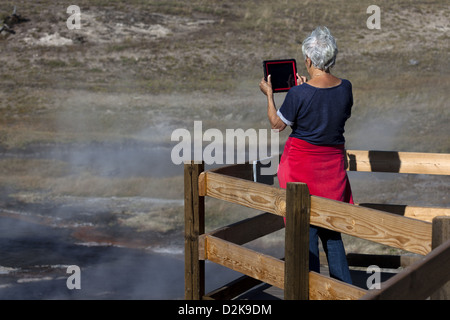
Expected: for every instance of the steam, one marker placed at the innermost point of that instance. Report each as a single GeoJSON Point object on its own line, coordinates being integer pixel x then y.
{"type": "Point", "coordinates": [98, 150]}
{"type": "Point", "coordinates": [375, 131]}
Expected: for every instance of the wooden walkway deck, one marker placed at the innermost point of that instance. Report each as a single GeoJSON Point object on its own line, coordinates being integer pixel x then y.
{"type": "Point", "coordinates": [238, 184]}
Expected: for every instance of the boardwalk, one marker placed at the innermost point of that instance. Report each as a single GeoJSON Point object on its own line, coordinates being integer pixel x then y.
{"type": "Point", "coordinates": [426, 236]}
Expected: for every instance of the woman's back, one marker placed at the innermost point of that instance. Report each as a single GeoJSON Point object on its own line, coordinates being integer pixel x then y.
{"type": "Point", "coordinates": [318, 115]}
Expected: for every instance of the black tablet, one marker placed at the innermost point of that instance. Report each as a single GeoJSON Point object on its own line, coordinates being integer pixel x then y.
{"type": "Point", "coordinates": [283, 74]}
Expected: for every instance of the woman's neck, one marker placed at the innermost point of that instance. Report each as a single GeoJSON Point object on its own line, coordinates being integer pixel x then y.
{"type": "Point", "coordinates": [315, 72]}
{"type": "Point", "coordinates": [323, 79]}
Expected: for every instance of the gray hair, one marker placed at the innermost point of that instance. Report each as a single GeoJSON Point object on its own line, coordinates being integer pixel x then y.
{"type": "Point", "coordinates": [321, 48]}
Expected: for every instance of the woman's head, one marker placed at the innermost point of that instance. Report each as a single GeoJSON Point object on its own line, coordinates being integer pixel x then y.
{"type": "Point", "coordinates": [321, 48]}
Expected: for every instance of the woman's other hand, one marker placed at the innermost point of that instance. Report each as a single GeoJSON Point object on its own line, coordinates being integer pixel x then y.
{"type": "Point", "coordinates": [266, 86]}
{"type": "Point", "coordinates": [301, 79]}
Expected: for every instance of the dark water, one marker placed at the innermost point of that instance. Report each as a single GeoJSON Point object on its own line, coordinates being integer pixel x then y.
{"type": "Point", "coordinates": [34, 260]}
{"type": "Point", "coordinates": [37, 241]}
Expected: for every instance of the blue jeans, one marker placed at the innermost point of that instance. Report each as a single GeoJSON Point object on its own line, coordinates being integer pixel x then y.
{"type": "Point", "coordinates": [334, 250]}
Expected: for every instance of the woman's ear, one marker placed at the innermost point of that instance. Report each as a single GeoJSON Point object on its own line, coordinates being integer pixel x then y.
{"type": "Point", "coordinates": [308, 62]}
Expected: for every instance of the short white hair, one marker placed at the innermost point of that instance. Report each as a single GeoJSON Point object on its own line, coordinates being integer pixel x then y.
{"type": "Point", "coordinates": [321, 48]}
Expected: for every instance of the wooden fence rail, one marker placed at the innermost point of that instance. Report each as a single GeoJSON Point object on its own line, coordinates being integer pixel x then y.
{"type": "Point", "coordinates": [370, 224]}
{"type": "Point", "coordinates": [398, 162]}
{"type": "Point", "coordinates": [223, 246]}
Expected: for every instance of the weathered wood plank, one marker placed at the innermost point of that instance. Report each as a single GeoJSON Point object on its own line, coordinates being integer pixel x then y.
{"type": "Point", "coordinates": [194, 215]}
{"type": "Point", "coordinates": [249, 262]}
{"type": "Point", "coordinates": [326, 288]}
{"type": "Point", "coordinates": [401, 162]}
{"type": "Point", "coordinates": [441, 234]}
{"type": "Point", "coordinates": [391, 161]}
{"type": "Point", "coordinates": [271, 270]}
{"type": "Point", "coordinates": [296, 273]}
{"type": "Point", "coordinates": [382, 227]}
{"type": "Point", "coordinates": [247, 193]}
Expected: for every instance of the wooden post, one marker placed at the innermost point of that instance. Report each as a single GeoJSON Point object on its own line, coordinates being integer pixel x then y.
{"type": "Point", "coordinates": [296, 272]}
{"type": "Point", "coordinates": [194, 215]}
{"type": "Point", "coordinates": [440, 234]}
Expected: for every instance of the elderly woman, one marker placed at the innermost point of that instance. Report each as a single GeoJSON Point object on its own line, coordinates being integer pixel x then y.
{"type": "Point", "coordinates": [316, 110]}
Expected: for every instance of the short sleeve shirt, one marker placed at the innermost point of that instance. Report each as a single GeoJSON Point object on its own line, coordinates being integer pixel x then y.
{"type": "Point", "coordinates": [318, 115]}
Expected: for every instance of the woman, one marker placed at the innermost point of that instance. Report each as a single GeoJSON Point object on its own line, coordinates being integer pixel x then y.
{"type": "Point", "coordinates": [316, 110]}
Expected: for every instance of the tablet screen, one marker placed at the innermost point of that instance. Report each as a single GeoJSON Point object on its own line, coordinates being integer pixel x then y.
{"type": "Point", "coordinates": [283, 74]}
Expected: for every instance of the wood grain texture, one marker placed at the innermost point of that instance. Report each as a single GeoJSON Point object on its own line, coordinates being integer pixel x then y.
{"type": "Point", "coordinates": [194, 219]}
{"type": "Point", "coordinates": [382, 227]}
{"type": "Point", "coordinates": [249, 262]}
{"type": "Point", "coordinates": [441, 234]}
{"type": "Point", "coordinates": [326, 288]}
{"type": "Point", "coordinates": [296, 273]}
{"type": "Point", "coordinates": [366, 223]}
{"type": "Point", "coordinates": [271, 270]}
{"type": "Point", "coordinates": [247, 193]}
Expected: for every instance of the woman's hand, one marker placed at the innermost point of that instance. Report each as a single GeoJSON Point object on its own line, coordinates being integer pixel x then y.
{"type": "Point", "coordinates": [301, 79]}
{"type": "Point", "coordinates": [275, 121]}
{"type": "Point", "coordinates": [266, 86]}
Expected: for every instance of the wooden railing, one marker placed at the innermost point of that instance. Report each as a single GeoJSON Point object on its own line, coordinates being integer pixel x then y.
{"type": "Point", "coordinates": [427, 234]}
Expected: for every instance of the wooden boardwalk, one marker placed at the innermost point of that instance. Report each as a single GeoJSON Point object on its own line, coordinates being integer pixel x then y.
{"type": "Point", "coordinates": [426, 235]}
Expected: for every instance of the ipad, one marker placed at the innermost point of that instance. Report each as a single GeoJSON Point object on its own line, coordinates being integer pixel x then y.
{"type": "Point", "coordinates": [283, 74]}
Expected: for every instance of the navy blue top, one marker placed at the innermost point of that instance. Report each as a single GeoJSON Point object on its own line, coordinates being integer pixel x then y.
{"type": "Point", "coordinates": [318, 115]}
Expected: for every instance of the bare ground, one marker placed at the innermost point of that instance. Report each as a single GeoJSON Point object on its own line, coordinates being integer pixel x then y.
{"type": "Point", "coordinates": [71, 100]}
